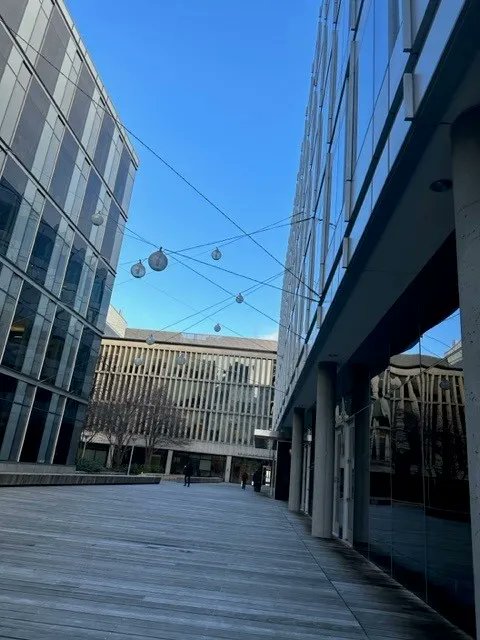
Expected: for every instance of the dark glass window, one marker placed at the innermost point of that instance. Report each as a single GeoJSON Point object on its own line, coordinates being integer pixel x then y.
{"type": "Point", "coordinates": [21, 328]}
{"type": "Point", "coordinates": [12, 12]}
{"type": "Point", "coordinates": [62, 174]}
{"type": "Point", "coordinates": [8, 386]}
{"type": "Point", "coordinates": [122, 175]}
{"type": "Point", "coordinates": [31, 123]}
{"type": "Point", "coordinates": [111, 231]}
{"type": "Point", "coordinates": [85, 362]}
{"type": "Point", "coordinates": [55, 345]}
{"type": "Point", "coordinates": [12, 186]}
{"type": "Point", "coordinates": [74, 271]}
{"type": "Point", "coordinates": [5, 48]}
{"type": "Point", "coordinates": [53, 50]}
{"type": "Point", "coordinates": [104, 142]}
{"type": "Point", "coordinates": [81, 102]}
{"type": "Point", "coordinates": [44, 243]}
{"type": "Point", "coordinates": [90, 203]}
{"type": "Point", "coordinates": [98, 293]}
{"type": "Point", "coordinates": [35, 426]}
{"type": "Point", "coordinates": [66, 431]}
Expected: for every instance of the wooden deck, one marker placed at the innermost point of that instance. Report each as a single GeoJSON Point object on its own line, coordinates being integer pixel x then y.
{"type": "Point", "coordinates": [174, 563]}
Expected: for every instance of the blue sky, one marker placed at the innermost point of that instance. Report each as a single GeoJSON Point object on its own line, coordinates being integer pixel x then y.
{"type": "Point", "coordinates": [219, 88]}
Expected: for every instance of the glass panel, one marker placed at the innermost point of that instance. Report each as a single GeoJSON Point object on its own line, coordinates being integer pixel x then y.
{"type": "Point", "coordinates": [12, 12]}
{"type": "Point", "coordinates": [10, 201]}
{"type": "Point", "coordinates": [113, 235]}
{"type": "Point", "coordinates": [104, 142]}
{"type": "Point", "coordinates": [121, 180]}
{"type": "Point", "coordinates": [55, 346]}
{"type": "Point", "coordinates": [53, 50]}
{"type": "Point", "coordinates": [44, 243]}
{"type": "Point", "coordinates": [31, 123]}
{"type": "Point", "coordinates": [90, 203]}
{"type": "Point", "coordinates": [66, 431]}
{"type": "Point", "coordinates": [62, 174]}
{"type": "Point", "coordinates": [85, 362]}
{"type": "Point", "coordinates": [74, 271]}
{"type": "Point", "coordinates": [21, 327]}
{"type": "Point", "coordinates": [365, 75]}
{"type": "Point", "coordinates": [99, 290]}
{"type": "Point", "coordinates": [35, 426]}
{"type": "Point", "coordinates": [8, 386]}
{"type": "Point", "coordinates": [81, 102]}
{"type": "Point", "coordinates": [5, 48]}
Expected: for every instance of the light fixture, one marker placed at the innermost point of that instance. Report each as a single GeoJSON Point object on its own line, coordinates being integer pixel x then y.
{"type": "Point", "coordinates": [181, 359]}
{"type": "Point", "coordinates": [138, 270]}
{"type": "Point", "coordinates": [445, 384]}
{"type": "Point", "coordinates": [216, 254]}
{"type": "Point", "coordinates": [158, 261]}
{"type": "Point", "coordinates": [98, 219]}
{"type": "Point", "coordinates": [395, 383]}
{"type": "Point", "coordinates": [150, 339]}
{"type": "Point", "coordinates": [217, 328]}
{"type": "Point", "coordinates": [441, 186]}
{"type": "Point", "coordinates": [239, 298]}
{"type": "Point", "coordinates": [138, 361]}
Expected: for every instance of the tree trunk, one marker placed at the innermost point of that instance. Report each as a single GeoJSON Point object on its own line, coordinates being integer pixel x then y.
{"type": "Point", "coordinates": [117, 457]}
{"type": "Point", "coordinates": [148, 458]}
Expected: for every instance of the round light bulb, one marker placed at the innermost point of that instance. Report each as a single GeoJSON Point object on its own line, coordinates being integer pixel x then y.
{"type": "Point", "coordinates": [158, 261]}
{"type": "Point", "coordinates": [217, 328]}
{"type": "Point", "coordinates": [98, 219]}
{"type": "Point", "coordinates": [138, 361]}
{"type": "Point", "coordinates": [216, 254]}
{"type": "Point", "coordinates": [181, 359]}
{"type": "Point", "coordinates": [445, 384]}
{"type": "Point", "coordinates": [150, 340]}
{"type": "Point", "coordinates": [239, 298]}
{"type": "Point", "coordinates": [138, 270]}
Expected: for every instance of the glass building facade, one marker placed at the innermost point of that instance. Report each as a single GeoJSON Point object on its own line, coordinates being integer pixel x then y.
{"type": "Point", "coordinates": [64, 156]}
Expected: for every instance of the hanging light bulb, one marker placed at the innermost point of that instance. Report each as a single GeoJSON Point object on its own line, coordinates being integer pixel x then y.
{"type": "Point", "coordinates": [138, 270]}
{"type": "Point", "coordinates": [158, 261]}
{"type": "Point", "coordinates": [445, 384]}
{"type": "Point", "coordinates": [181, 359]}
{"type": "Point", "coordinates": [395, 383]}
{"type": "Point", "coordinates": [98, 219]}
{"type": "Point", "coordinates": [150, 339]}
{"type": "Point", "coordinates": [138, 361]}
{"type": "Point", "coordinates": [217, 327]}
{"type": "Point", "coordinates": [239, 298]}
{"type": "Point", "coordinates": [216, 254]}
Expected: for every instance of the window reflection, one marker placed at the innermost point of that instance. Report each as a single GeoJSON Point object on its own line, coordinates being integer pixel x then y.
{"type": "Point", "coordinates": [44, 243]}
{"type": "Point", "coordinates": [21, 327]}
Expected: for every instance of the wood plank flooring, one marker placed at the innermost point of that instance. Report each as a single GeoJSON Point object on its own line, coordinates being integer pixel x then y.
{"type": "Point", "coordinates": [170, 563]}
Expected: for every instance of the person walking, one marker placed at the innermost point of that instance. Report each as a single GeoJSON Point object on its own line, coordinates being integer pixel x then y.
{"type": "Point", "coordinates": [187, 471]}
{"type": "Point", "coordinates": [244, 480]}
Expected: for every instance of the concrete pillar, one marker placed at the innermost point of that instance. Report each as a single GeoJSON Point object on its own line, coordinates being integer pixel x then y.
{"type": "Point", "coordinates": [168, 463]}
{"type": "Point", "coordinates": [466, 196]}
{"type": "Point", "coordinates": [228, 468]}
{"type": "Point", "coordinates": [109, 462]}
{"type": "Point", "coordinates": [322, 507]}
{"type": "Point", "coordinates": [296, 451]}
{"type": "Point", "coordinates": [361, 498]}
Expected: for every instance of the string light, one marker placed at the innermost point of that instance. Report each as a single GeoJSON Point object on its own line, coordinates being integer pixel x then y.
{"type": "Point", "coordinates": [158, 261]}
{"type": "Point", "coordinates": [239, 298]}
{"type": "Point", "coordinates": [216, 254]}
{"type": "Point", "coordinates": [150, 340]}
{"type": "Point", "coordinates": [98, 219]}
{"type": "Point", "coordinates": [138, 270]}
{"type": "Point", "coordinates": [217, 328]}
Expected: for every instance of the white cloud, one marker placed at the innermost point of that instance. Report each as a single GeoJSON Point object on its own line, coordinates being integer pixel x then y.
{"type": "Point", "coordinates": [273, 335]}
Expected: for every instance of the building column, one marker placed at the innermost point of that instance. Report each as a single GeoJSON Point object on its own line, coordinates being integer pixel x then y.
{"type": "Point", "coordinates": [296, 451]}
{"type": "Point", "coordinates": [168, 463]}
{"type": "Point", "coordinates": [109, 462]}
{"type": "Point", "coordinates": [361, 498]}
{"type": "Point", "coordinates": [228, 468]}
{"type": "Point", "coordinates": [466, 196]}
{"type": "Point", "coordinates": [322, 508]}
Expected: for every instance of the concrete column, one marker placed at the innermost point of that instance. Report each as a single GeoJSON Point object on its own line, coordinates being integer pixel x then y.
{"type": "Point", "coordinates": [111, 449]}
{"type": "Point", "coordinates": [322, 508]}
{"type": "Point", "coordinates": [466, 195]}
{"type": "Point", "coordinates": [296, 451]}
{"type": "Point", "coordinates": [168, 463]}
{"type": "Point", "coordinates": [228, 468]}
{"type": "Point", "coordinates": [361, 498]}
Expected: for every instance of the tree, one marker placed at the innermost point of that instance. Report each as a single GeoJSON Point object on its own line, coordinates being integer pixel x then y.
{"type": "Point", "coordinates": [164, 423]}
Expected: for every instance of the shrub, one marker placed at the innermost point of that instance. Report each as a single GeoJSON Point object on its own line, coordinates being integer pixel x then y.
{"type": "Point", "coordinates": [90, 466]}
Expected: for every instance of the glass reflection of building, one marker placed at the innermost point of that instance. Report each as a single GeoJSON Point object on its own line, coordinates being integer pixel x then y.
{"type": "Point", "coordinates": [63, 157]}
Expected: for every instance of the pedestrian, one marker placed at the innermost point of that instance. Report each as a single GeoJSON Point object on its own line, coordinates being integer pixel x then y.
{"type": "Point", "coordinates": [187, 471]}
{"type": "Point", "coordinates": [244, 480]}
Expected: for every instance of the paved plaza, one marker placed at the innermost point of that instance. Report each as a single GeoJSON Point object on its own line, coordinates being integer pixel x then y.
{"type": "Point", "coordinates": [172, 563]}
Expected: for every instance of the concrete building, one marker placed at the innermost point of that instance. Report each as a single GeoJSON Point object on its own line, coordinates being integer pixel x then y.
{"type": "Point", "coordinates": [223, 386]}
{"type": "Point", "coordinates": [389, 169]}
{"type": "Point", "coordinates": [116, 324]}
{"type": "Point", "coordinates": [64, 157]}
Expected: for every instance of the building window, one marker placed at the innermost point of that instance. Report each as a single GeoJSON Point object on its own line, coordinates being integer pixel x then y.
{"type": "Point", "coordinates": [56, 342]}
{"type": "Point", "coordinates": [99, 298]}
{"type": "Point", "coordinates": [85, 362]}
{"type": "Point", "coordinates": [81, 102]}
{"type": "Point", "coordinates": [31, 124]}
{"type": "Point", "coordinates": [8, 386]}
{"type": "Point", "coordinates": [113, 235]}
{"type": "Point", "coordinates": [74, 271]}
{"type": "Point", "coordinates": [53, 50]}
{"type": "Point", "coordinates": [44, 243]}
{"type": "Point", "coordinates": [5, 48]}
{"type": "Point", "coordinates": [12, 12]}
{"type": "Point", "coordinates": [66, 432]}
{"type": "Point", "coordinates": [122, 174]}
{"type": "Point", "coordinates": [21, 327]}
{"type": "Point", "coordinates": [90, 203]}
{"type": "Point", "coordinates": [36, 425]}
{"type": "Point", "coordinates": [104, 142]}
{"type": "Point", "coordinates": [62, 174]}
